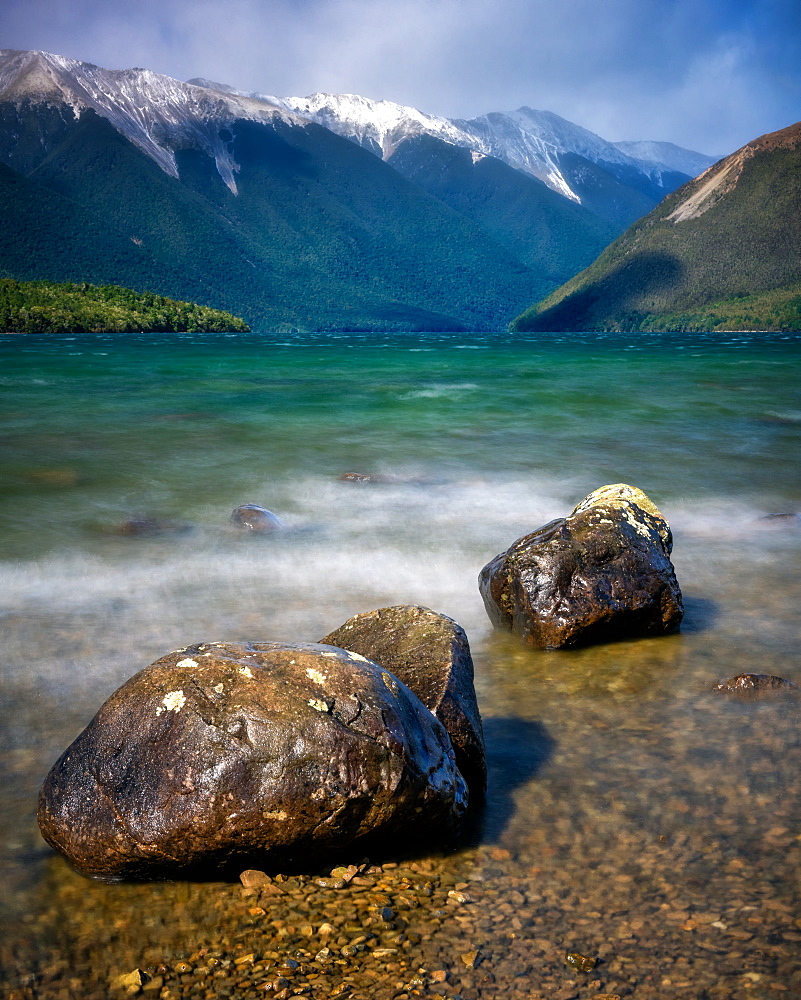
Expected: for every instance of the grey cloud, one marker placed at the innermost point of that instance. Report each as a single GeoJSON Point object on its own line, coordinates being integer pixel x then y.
{"type": "Point", "coordinates": [709, 74]}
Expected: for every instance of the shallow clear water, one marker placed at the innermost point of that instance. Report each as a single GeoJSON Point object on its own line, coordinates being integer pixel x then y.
{"type": "Point", "coordinates": [477, 440]}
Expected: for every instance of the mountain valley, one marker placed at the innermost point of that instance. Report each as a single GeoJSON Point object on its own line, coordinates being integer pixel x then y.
{"type": "Point", "coordinates": [321, 213]}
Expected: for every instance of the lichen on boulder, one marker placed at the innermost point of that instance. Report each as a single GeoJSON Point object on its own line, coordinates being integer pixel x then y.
{"type": "Point", "coordinates": [600, 574]}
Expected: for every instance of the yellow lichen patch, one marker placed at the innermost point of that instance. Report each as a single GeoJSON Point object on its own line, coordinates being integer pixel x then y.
{"type": "Point", "coordinates": [315, 675]}
{"type": "Point", "coordinates": [390, 682]}
{"type": "Point", "coordinates": [187, 663]}
{"type": "Point", "coordinates": [275, 814]}
{"type": "Point", "coordinates": [620, 496]}
{"type": "Point", "coordinates": [639, 527]}
{"type": "Point", "coordinates": [219, 688]}
{"type": "Point", "coordinates": [617, 495]}
{"type": "Point", "coordinates": [319, 705]}
{"type": "Point", "coordinates": [358, 656]}
{"type": "Point", "coordinates": [174, 701]}
{"type": "Point", "coordinates": [246, 672]}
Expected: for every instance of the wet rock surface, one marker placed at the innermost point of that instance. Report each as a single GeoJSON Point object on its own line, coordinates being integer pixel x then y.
{"type": "Point", "coordinates": [221, 753]}
{"type": "Point", "coordinates": [251, 517]}
{"type": "Point", "coordinates": [602, 573]}
{"type": "Point", "coordinates": [430, 653]}
{"type": "Point", "coordinates": [753, 686]}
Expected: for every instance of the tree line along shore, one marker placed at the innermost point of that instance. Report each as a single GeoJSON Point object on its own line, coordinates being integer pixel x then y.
{"type": "Point", "coordinates": [51, 307]}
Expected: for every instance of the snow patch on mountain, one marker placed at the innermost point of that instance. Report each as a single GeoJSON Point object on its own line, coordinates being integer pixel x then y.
{"type": "Point", "coordinates": [668, 155]}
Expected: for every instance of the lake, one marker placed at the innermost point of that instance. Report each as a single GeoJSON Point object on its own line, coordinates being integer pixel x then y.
{"type": "Point", "coordinates": [633, 817]}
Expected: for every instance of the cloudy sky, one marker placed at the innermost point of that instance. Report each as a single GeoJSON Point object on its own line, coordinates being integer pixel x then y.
{"type": "Point", "coordinates": [706, 74]}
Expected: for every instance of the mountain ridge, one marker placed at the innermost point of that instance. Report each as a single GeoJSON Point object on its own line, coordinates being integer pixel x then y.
{"type": "Point", "coordinates": [535, 142]}
{"type": "Point", "coordinates": [180, 112]}
{"type": "Point", "coordinates": [722, 252]}
{"type": "Point", "coordinates": [243, 203]}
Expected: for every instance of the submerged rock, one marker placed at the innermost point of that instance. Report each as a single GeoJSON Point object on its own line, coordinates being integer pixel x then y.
{"type": "Point", "coordinates": [779, 520]}
{"type": "Point", "coordinates": [363, 478]}
{"type": "Point", "coordinates": [152, 527]}
{"type": "Point", "coordinates": [251, 517]}
{"type": "Point", "coordinates": [600, 574]}
{"type": "Point", "coordinates": [752, 686]}
{"type": "Point", "coordinates": [54, 477]}
{"type": "Point", "coordinates": [223, 754]}
{"type": "Point", "coordinates": [430, 653]}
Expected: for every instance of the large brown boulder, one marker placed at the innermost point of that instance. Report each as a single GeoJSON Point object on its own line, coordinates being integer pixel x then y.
{"type": "Point", "coordinates": [430, 653]}
{"type": "Point", "coordinates": [224, 754]}
{"type": "Point", "coordinates": [600, 574]}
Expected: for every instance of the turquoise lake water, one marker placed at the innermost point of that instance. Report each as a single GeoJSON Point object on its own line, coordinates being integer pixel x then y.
{"type": "Point", "coordinates": [473, 440]}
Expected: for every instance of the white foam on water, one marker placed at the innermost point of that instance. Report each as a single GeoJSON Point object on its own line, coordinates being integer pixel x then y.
{"type": "Point", "coordinates": [347, 548]}
{"type": "Point", "coordinates": [437, 391]}
{"type": "Point", "coordinates": [351, 548]}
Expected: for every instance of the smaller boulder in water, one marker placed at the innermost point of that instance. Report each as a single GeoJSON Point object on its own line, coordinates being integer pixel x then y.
{"type": "Point", "coordinates": [364, 478]}
{"type": "Point", "coordinates": [152, 527]}
{"type": "Point", "coordinates": [252, 517]}
{"type": "Point", "coordinates": [600, 574]}
{"type": "Point", "coordinates": [755, 686]}
{"type": "Point", "coordinates": [779, 521]}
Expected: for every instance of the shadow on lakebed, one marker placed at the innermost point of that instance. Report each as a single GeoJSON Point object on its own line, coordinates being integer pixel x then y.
{"type": "Point", "coordinates": [517, 750]}
{"type": "Point", "coordinates": [700, 614]}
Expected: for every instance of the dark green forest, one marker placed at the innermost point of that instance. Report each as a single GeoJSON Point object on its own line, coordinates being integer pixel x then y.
{"type": "Point", "coordinates": [50, 307]}
{"type": "Point", "coordinates": [321, 234]}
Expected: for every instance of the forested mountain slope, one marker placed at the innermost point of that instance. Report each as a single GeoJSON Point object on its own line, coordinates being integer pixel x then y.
{"type": "Point", "coordinates": [722, 252]}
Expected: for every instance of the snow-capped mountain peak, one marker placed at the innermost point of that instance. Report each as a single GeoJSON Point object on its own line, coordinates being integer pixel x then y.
{"type": "Point", "coordinates": [558, 132]}
{"type": "Point", "coordinates": [529, 140]}
{"type": "Point", "coordinates": [380, 125]}
{"type": "Point", "coordinates": [157, 113]}
{"type": "Point", "coordinates": [376, 124]}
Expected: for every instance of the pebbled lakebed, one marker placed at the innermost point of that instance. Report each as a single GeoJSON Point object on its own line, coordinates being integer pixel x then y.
{"type": "Point", "coordinates": [634, 818]}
